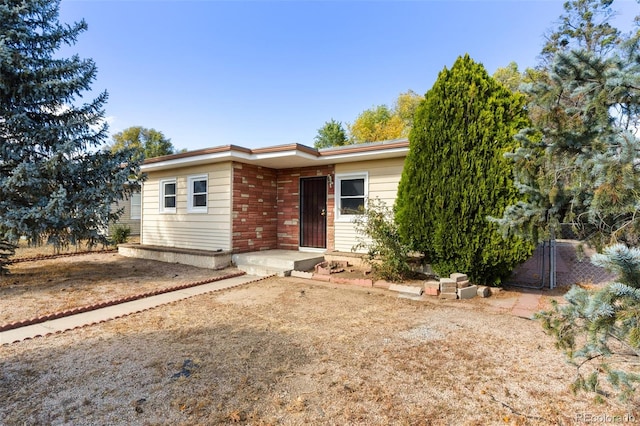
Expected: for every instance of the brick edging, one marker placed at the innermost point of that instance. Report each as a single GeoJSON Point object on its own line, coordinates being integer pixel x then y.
{"type": "Point", "coordinates": [82, 309]}
{"type": "Point", "coordinates": [55, 256]}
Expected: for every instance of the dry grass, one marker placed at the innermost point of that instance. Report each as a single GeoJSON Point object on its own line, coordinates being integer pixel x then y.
{"type": "Point", "coordinates": [47, 286]}
{"type": "Point", "coordinates": [286, 351]}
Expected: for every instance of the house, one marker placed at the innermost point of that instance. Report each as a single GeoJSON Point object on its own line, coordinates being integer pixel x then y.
{"type": "Point", "coordinates": [131, 213]}
{"type": "Point", "coordinates": [231, 199]}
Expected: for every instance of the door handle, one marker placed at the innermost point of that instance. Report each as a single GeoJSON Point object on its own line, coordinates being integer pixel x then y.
{"type": "Point", "coordinates": [323, 212]}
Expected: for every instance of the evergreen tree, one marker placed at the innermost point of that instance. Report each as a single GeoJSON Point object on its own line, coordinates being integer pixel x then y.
{"type": "Point", "coordinates": [578, 164]}
{"type": "Point", "coordinates": [55, 185]}
{"type": "Point", "coordinates": [331, 134]}
{"type": "Point", "coordinates": [455, 175]}
{"type": "Point", "coordinates": [599, 330]}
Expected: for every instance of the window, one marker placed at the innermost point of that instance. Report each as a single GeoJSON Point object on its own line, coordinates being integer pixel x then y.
{"type": "Point", "coordinates": [197, 194]}
{"type": "Point", "coordinates": [351, 193]}
{"type": "Point", "coordinates": [135, 206]}
{"type": "Point", "coordinates": [168, 196]}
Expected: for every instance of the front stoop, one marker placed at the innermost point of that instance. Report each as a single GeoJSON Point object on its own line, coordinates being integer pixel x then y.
{"type": "Point", "coordinates": [276, 262]}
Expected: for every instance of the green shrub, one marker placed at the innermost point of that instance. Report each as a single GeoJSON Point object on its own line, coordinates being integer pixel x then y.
{"type": "Point", "coordinates": [378, 234]}
{"type": "Point", "coordinates": [456, 176]}
{"type": "Point", "coordinates": [120, 234]}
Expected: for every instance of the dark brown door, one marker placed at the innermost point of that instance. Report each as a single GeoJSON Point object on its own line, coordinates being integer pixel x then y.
{"type": "Point", "coordinates": [313, 212]}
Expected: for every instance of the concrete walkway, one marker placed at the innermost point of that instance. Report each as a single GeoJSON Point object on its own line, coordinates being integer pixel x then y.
{"type": "Point", "coordinates": [111, 312]}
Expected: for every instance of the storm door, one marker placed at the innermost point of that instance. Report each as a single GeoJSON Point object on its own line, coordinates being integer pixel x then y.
{"type": "Point", "coordinates": [313, 212]}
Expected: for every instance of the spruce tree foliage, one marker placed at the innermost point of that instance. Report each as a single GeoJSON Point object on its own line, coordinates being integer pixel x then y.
{"type": "Point", "coordinates": [56, 186]}
{"type": "Point", "coordinates": [331, 134]}
{"type": "Point", "coordinates": [599, 330]}
{"type": "Point", "coordinates": [578, 163]}
{"type": "Point", "coordinates": [455, 175]}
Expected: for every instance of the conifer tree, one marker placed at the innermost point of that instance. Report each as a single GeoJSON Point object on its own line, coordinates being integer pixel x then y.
{"type": "Point", "coordinates": [331, 134]}
{"type": "Point", "coordinates": [455, 175]}
{"type": "Point", "coordinates": [55, 184]}
{"type": "Point", "coordinates": [578, 163]}
{"type": "Point", "coordinates": [599, 330]}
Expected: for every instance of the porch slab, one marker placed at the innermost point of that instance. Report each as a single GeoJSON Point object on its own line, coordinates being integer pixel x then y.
{"type": "Point", "coordinates": [278, 262]}
{"type": "Point", "coordinates": [198, 258]}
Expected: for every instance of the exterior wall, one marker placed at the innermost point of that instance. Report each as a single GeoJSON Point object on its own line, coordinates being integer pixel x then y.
{"type": "Point", "coordinates": [254, 211]}
{"type": "Point", "coordinates": [125, 219]}
{"type": "Point", "coordinates": [288, 207]}
{"type": "Point", "coordinates": [384, 177]}
{"type": "Point", "coordinates": [202, 231]}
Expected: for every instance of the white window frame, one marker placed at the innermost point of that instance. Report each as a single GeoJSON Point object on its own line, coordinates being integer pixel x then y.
{"type": "Point", "coordinates": [163, 183]}
{"type": "Point", "coordinates": [136, 207]}
{"type": "Point", "coordinates": [191, 207]}
{"type": "Point", "coordinates": [338, 193]}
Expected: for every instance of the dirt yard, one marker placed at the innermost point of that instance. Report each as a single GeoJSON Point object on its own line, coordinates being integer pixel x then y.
{"type": "Point", "coordinates": [279, 351]}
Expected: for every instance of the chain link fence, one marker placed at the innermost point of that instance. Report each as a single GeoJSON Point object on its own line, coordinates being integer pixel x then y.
{"type": "Point", "coordinates": [566, 260]}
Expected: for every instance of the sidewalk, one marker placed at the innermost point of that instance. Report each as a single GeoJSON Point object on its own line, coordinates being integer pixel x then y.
{"type": "Point", "coordinates": [111, 312]}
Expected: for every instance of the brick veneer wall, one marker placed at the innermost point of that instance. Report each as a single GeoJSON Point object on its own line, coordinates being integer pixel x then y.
{"type": "Point", "coordinates": [289, 205]}
{"type": "Point", "coordinates": [254, 208]}
{"type": "Point", "coordinates": [266, 207]}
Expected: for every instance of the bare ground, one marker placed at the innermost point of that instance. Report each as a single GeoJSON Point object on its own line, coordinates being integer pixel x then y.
{"type": "Point", "coordinates": [285, 351]}
{"type": "Point", "coordinates": [47, 286]}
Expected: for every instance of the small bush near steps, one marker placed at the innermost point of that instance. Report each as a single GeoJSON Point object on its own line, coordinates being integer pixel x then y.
{"type": "Point", "coordinates": [377, 233]}
{"type": "Point", "coordinates": [120, 234]}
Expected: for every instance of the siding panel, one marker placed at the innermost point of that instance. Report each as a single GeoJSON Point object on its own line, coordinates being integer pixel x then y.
{"type": "Point", "coordinates": [384, 177]}
{"type": "Point", "coordinates": [204, 231]}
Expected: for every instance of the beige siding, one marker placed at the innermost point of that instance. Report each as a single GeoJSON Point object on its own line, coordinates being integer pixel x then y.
{"type": "Point", "coordinates": [384, 176]}
{"type": "Point", "coordinates": [125, 219]}
{"type": "Point", "coordinates": [203, 231]}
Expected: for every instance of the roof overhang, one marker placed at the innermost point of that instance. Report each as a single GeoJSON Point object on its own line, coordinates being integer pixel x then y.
{"type": "Point", "coordinates": [281, 156]}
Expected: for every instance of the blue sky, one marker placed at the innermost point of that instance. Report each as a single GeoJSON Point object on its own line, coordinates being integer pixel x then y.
{"type": "Point", "coordinates": [262, 73]}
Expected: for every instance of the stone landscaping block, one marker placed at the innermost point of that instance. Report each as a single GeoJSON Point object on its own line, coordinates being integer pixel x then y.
{"type": "Point", "coordinates": [430, 291]}
{"type": "Point", "coordinates": [456, 276]}
{"type": "Point", "coordinates": [468, 292]}
{"type": "Point", "coordinates": [483, 291]}
{"type": "Point", "coordinates": [452, 296]}
{"type": "Point", "coordinates": [463, 284]}
{"type": "Point", "coordinates": [318, 277]}
{"type": "Point", "coordinates": [432, 284]}
{"type": "Point", "coordinates": [406, 289]}
{"type": "Point", "coordinates": [448, 286]}
{"type": "Point", "coordinates": [301, 274]}
{"type": "Point", "coordinates": [382, 284]}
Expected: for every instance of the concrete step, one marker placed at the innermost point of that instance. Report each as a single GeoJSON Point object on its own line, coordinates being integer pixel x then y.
{"type": "Point", "coordinates": [278, 262]}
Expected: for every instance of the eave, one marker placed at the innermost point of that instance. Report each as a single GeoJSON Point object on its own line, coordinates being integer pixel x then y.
{"type": "Point", "coordinates": [281, 156]}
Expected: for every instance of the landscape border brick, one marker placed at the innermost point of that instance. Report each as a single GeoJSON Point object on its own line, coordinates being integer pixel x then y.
{"type": "Point", "coordinates": [87, 308]}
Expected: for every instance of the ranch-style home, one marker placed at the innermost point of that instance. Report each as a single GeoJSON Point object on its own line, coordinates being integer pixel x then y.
{"type": "Point", "coordinates": [230, 200]}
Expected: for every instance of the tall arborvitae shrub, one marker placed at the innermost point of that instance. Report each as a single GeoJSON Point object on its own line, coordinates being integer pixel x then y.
{"type": "Point", "coordinates": [456, 175]}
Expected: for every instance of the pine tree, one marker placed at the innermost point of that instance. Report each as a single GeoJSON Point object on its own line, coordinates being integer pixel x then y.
{"type": "Point", "coordinates": [55, 184]}
{"type": "Point", "coordinates": [331, 134]}
{"type": "Point", "coordinates": [599, 330]}
{"type": "Point", "coordinates": [456, 176]}
{"type": "Point", "coordinates": [578, 163]}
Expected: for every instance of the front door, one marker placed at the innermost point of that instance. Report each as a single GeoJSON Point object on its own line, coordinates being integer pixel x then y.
{"type": "Point", "coordinates": [313, 212]}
